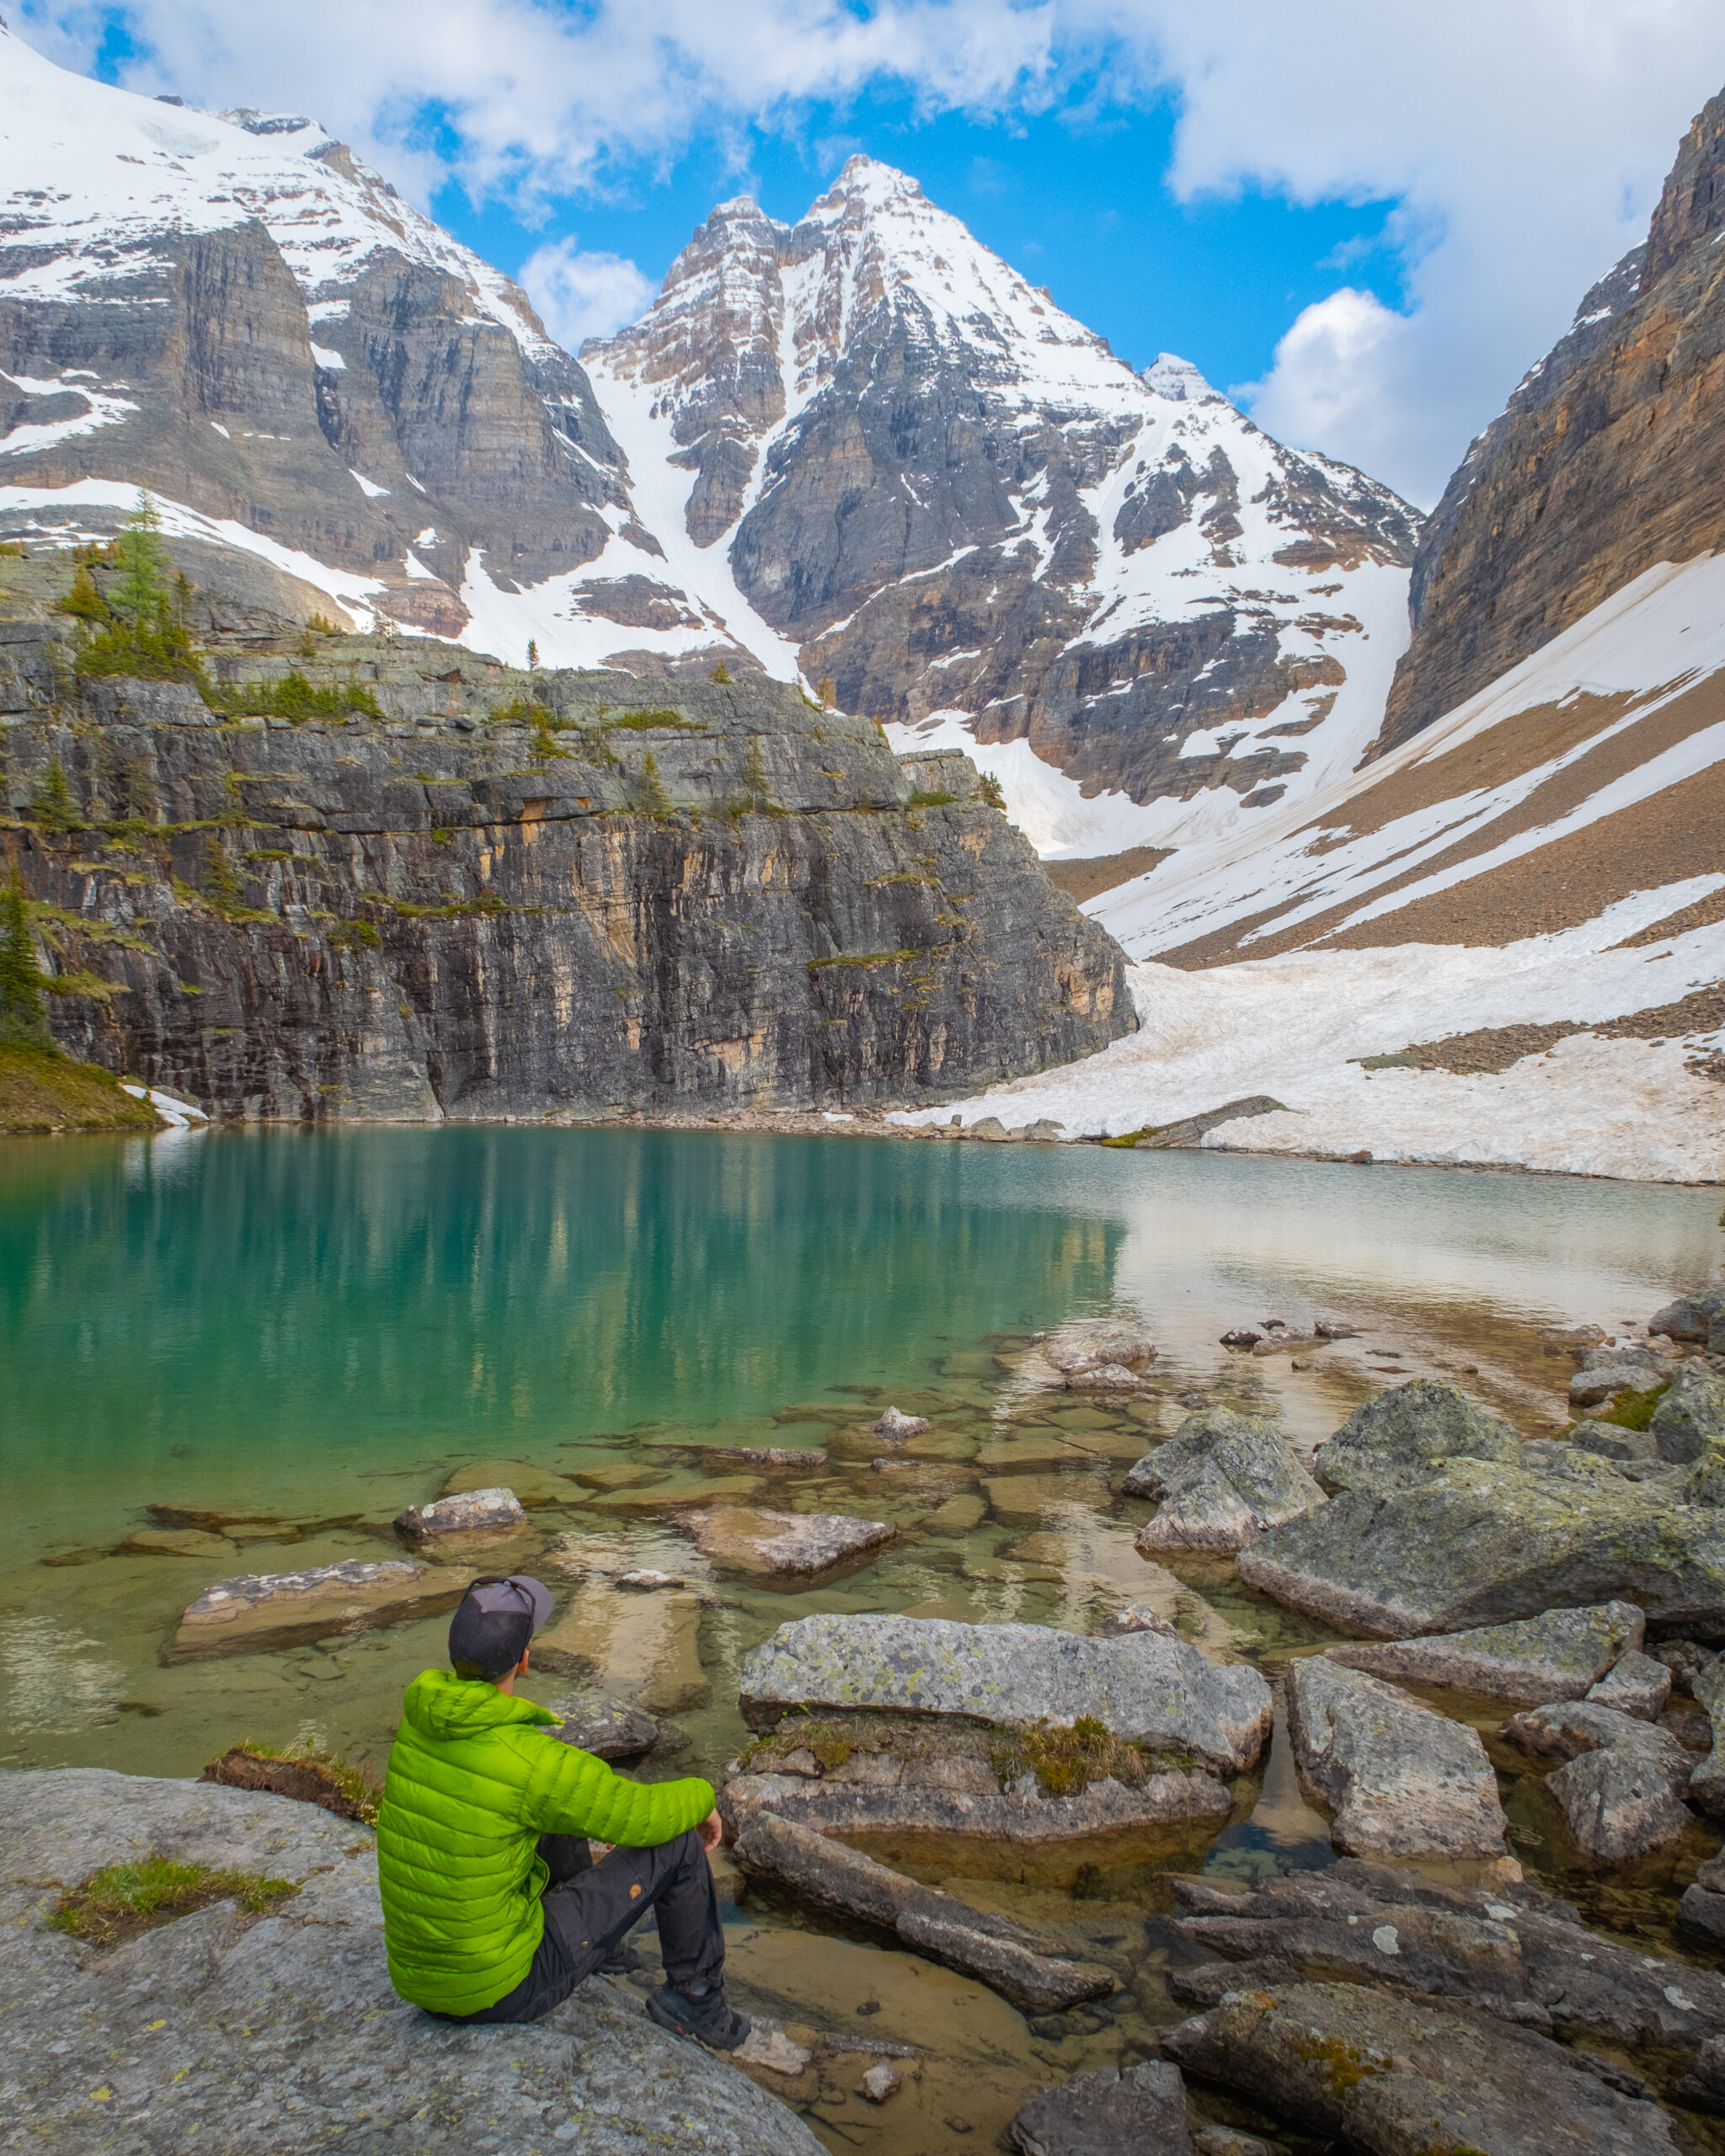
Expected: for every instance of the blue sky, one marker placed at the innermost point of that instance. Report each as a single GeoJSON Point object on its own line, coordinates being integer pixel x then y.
{"type": "Point", "coordinates": [1368, 220]}
{"type": "Point", "coordinates": [1080, 205]}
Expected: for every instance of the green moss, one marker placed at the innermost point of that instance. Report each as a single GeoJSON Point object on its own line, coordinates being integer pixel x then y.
{"type": "Point", "coordinates": [1634, 1411]}
{"type": "Point", "coordinates": [123, 1899]}
{"type": "Point", "coordinates": [919, 800]}
{"type": "Point", "coordinates": [1067, 1761]}
{"type": "Point", "coordinates": [357, 1784]}
{"type": "Point", "coordinates": [1348, 2065]}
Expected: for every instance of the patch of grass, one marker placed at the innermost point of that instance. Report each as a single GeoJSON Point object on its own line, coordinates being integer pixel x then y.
{"type": "Point", "coordinates": [865, 958]}
{"type": "Point", "coordinates": [123, 1899]}
{"type": "Point", "coordinates": [1349, 2066]}
{"type": "Point", "coordinates": [306, 1770]}
{"type": "Point", "coordinates": [655, 722]}
{"type": "Point", "coordinates": [1634, 1411]}
{"type": "Point", "coordinates": [919, 800]}
{"type": "Point", "coordinates": [41, 1090]}
{"type": "Point", "coordinates": [486, 906]}
{"type": "Point", "coordinates": [84, 982]}
{"type": "Point", "coordinates": [356, 935]}
{"type": "Point", "coordinates": [1066, 1762]}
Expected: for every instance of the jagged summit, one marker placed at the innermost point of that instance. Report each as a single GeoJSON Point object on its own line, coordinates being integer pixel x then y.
{"type": "Point", "coordinates": [1177, 379]}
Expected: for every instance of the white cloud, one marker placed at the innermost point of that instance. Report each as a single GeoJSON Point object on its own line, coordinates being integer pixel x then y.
{"type": "Point", "coordinates": [581, 295]}
{"type": "Point", "coordinates": [1524, 144]}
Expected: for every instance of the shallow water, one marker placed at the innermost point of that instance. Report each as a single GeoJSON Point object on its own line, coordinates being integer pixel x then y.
{"type": "Point", "coordinates": [318, 1329]}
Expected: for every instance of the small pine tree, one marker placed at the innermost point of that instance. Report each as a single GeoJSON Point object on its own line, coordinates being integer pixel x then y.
{"type": "Point", "coordinates": [989, 789]}
{"type": "Point", "coordinates": [721, 673]}
{"type": "Point", "coordinates": [83, 600]}
{"type": "Point", "coordinates": [51, 804]}
{"type": "Point", "coordinates": [826, 692]}
{"type": "Point", "coordinates": [532, 656]}
{"type": "Point", "coordinates": [217, 881]}
{"type": "Point", "coordinates": [21, 1014]}
{"type": "Point", "coordinates": [754, 773]}
{"type": "Point", "coordinates": [142, 561]}
{"type": "Point", "coordinates": [650, 795]}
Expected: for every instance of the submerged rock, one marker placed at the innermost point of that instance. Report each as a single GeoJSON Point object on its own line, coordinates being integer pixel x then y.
{"type": "Point", "coordinates": [1027, 1967]}
{"type": "Point", "coordinates": [256, 1611]}
{"type": "Point", "coordinates": [530, 1487]}
{"type": "Point", "coordinates": [1402, 2077]}
{"type": "Point", "coordinates": [1510, 1950]}
{"type": "Point", "coordinates": [610, 1729]}
{"type": "Point", "coordinates": [1622, 1791]}
{"type": "Point", "coordinates": [286, 2035]}
{"type": "Point", "coordinates": [1402, 1779]}
{"type": "Point", "coordinates": [1400, 1439]}
{"type": "Point", "coordinates": [1636, 1685]}
{"type": "Point", "coordinates": [1139, 2112]}
{"type": "Point", "coordinates": [743, 1538]}
{"type": "Point", "coordinates": [645, 1647]}
{"type": "Point", "coordinates": [1556, 1656]}
{"type": "Point", "coordinates": [1105, 1377]}
{"type": "Point", "coordinates": [1484, 1542]}
{"type": "Point", "coordinates": [1144, 1688]}
{"type": "Point", "coordinates": [1222, 1480]}
{"type": "Point", "coordinates": [484, 1514]}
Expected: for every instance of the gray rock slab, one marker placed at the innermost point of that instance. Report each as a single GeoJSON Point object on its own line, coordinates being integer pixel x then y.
{"type": "Point", "coordinates": [1139, 2112]}
{"type": "Point", "coordinates": [752, 1539]}
{"type": "Point", "coordinates": [1607, 1372]}
{"type": "Point", "coordinates": [1636, 1685]}
{"type": "Point", "coordinates": [1622, 1789]}
{"type": "Point", "coordinates": [1555, 1656]}
{"type": "Point", "coordinates": [256, 1612]}
{"type": "Point", "coordinates": [1706, 1783]}
{"type": "Point", "coordinates": [285, 2034]}
{"type": "Point", "coordinates": [1400, 1779]}
{"type": "Point", "coordinates": [1398, 1438]}
{"type": "Point", "coordinates": [1222, 1480]}
{"type": "Point", "coordinates": [1611, 1441]}
{"type": "Point", "coordinates": [1145, 1688]}
{"type": "Point", "coordinates": [1485, 1542]}
{"type": "Point", "coordinates": [1511, 1950]}
{"type": "Point", "coordinates": [1401, 2077]}
{"type": "Point", "coordinates": [1030, 1968]}
{"type": "Point", "coordinates": [1690, 1418]}
{"type": "Point", "coordinates": [476, 1512]}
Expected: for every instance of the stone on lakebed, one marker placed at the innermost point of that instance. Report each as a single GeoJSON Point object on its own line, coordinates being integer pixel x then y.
{"type": "Point", "coordinates": [313, 1984]}
{"type": "Point", "coordinates": [1402, 1779]}
{"type": "Point", "coordinates": [487, 1513]}
{"type": "Point", "coordinates": [1222, 1480]}
{"type": "Point", "coordinates": [769, 1544]}
{"type": "Point", "coordinates": [895, 1426]}
{"type": "Point", "coordinates": [1143, 1688]}
{"type": "Point", "coordinates": [1560, 1655]}
{"type": "Point", "coordinates": [260, 1611]}
{"type": "Point", "coordinates": [530, 1487]}
{"type": "Point", "coordinates": [1621, 1788]}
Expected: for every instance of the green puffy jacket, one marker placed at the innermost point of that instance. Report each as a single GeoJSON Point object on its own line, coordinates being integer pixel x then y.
{"type": "Point", "coordinates": [475, 1778]}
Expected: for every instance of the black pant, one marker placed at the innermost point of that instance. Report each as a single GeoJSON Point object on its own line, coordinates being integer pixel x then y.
{"type": "Point", "coordinates": [589, 1908]}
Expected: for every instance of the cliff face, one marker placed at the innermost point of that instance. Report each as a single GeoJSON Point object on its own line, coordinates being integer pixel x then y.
{"type": "Point", "coordinates": [1610, 457]}
{"type": "Point", "coordinates": [596, 901]}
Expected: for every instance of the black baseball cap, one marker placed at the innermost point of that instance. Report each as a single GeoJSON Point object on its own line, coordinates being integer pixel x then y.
{"type": "Point", "coordinates": [497, 1617]}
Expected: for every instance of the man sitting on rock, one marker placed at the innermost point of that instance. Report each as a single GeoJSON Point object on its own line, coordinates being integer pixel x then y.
{"type": "Point", "coordinates": [493, 1908]}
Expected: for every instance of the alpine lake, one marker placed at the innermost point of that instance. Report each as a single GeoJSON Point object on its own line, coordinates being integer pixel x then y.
{"type": "Point", "coordinates": [304, 1332]}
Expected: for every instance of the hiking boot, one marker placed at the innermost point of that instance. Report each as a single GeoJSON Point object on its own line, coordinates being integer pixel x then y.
{"type": "Point", "coordinates": [709, 2020]}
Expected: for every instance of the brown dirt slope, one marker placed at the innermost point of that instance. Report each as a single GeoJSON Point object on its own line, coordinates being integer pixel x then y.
{"type": "Point", "coordinates": [1101, 872]}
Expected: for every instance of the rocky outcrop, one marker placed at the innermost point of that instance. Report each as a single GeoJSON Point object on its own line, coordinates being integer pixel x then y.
{"type": "Point", "coordinates": [1398, 1439]}
{"type": "Point", "coordinates": [287, 2034]}
{"type": "Point", "coordinates": [1402, 2078]}
{"type": "Point", "coordinates": [1144, 1689]}
{"type": "Point", "coordinates": [504, 895]}
{"type": "Point", "coordinates": [1610, 457]}
{"type": "Point", "coordinates": [1400, 1779]}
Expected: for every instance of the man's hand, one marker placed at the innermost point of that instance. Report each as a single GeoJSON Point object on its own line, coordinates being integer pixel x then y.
{"type": "Point", "coordinates": [712, 1832]}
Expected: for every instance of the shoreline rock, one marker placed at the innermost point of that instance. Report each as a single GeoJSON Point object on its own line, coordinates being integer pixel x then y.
{"type": "Point", "coordinates": [1222, 1480]}
{"type": "Point", "coordinates": [1143, 1688]}
{"type": "Point", "coordinates": [1559, 1655]}
{"type": "Point", "coordinates": [1620, 1789]}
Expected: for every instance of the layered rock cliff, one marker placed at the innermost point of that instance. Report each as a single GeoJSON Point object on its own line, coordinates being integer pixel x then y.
{"type": "Point", "coordinates": [467, 893]}
{"type": "Point", "coordinates": [1608, 458]}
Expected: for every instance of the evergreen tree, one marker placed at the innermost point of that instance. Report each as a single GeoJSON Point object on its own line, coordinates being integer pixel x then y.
{"type": "Point", "coordinates": [51, 804]}
{"type": "Point", "coordinates": [21, 1016]}
{"type": "Point", "coordinates": [721, 673]}
{"type": "Point", "coordinates": [84, 600]}
{"type": "Point", "coordinates": [650, 795]}
{"type": "Point", "coordinates": [142, 561]}
{"type": "Point", "coordinates": [532, 656]}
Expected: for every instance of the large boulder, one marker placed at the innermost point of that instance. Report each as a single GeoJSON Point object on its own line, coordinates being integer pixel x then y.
{"type": "Point", "coordinates": [1033, 1970]}
{"type": "Point", "coordinates": [1607, 1374]}
{"type": "Point", "coordinates": [1144, 1688]}
{"type": "Point", "coordinates": [1622, 1789]}
{"type": "Point", "coordinates": [1402, 2077]}
{"type": "Point", "coordinates": [1222, 1480]}
{"type": "Point", "coordinates": [1693, 1318]}
{"type": "Point", "coordinates": [1558, 1655]}
{"type": "Point", "coordinates": [1140, 2111]}
{"type": "Point", "coordinates": [255, 1612]}
{"type": "Point", "coordinates": [1509, 1949]}
{"type": "Point", "coordinates": [1400, 1779]}
{"type": "Point", "coordinates": [1403, 1437]}
{"type": "Point", "coordinates": [286, 2035]}
{"type": "Point", "coordinates": [1690, 1418]}
{"type": "Point", "coordinates": [1485, 1542]}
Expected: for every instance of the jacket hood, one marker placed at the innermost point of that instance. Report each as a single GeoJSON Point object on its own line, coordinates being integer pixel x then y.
{"type": "Point", "coordinates": [440, 1704]}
